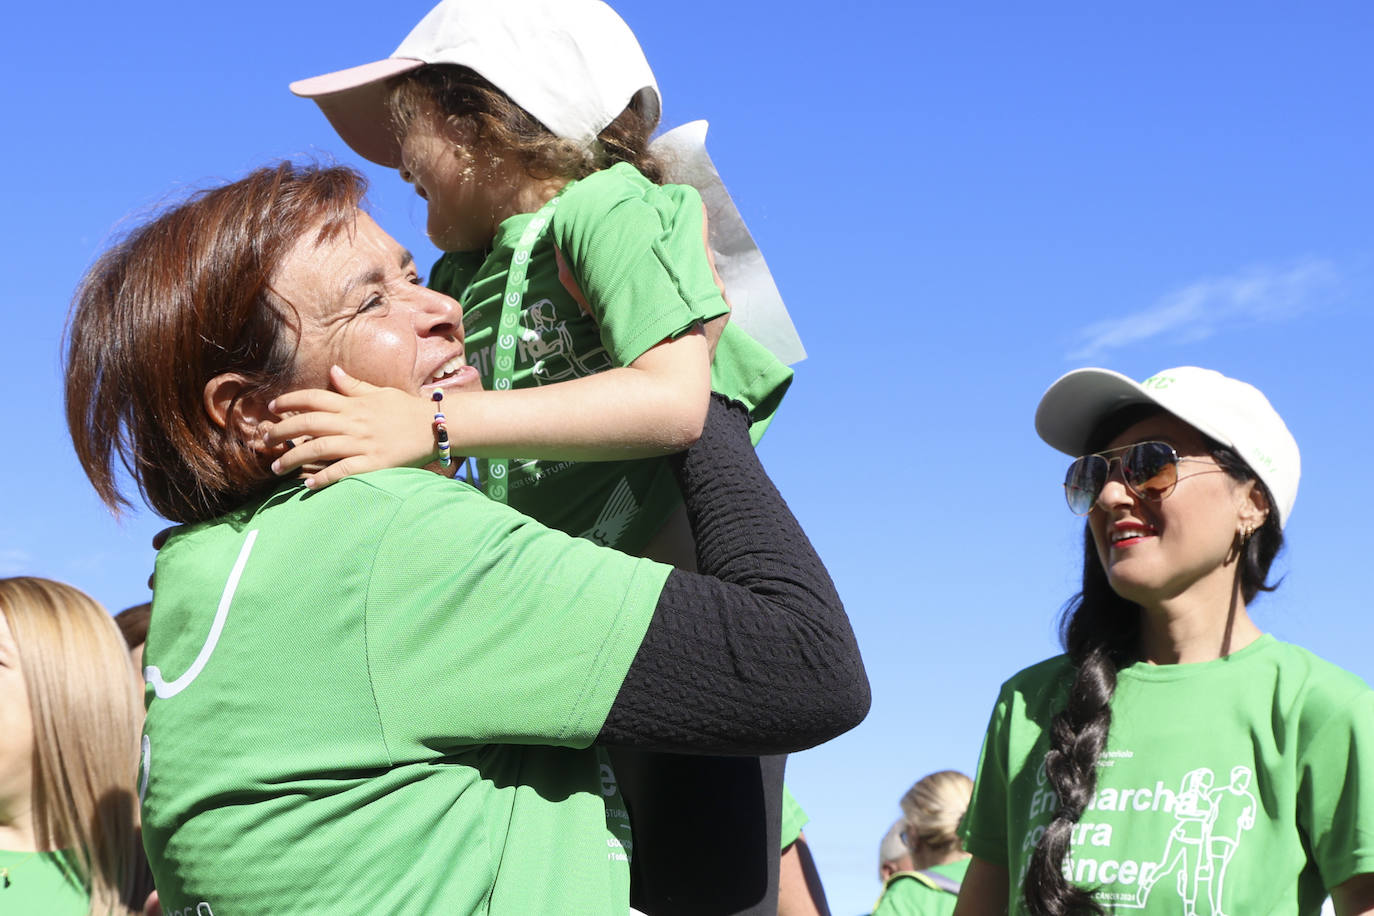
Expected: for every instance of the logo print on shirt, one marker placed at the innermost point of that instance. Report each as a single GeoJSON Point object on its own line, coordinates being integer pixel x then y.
{"type": "Point", "coordinates": [1203, 842]}
{"type": "Point", "coordinates": [548, 341]}
{"type": "Point", "coordinates": [615, 516]}
{"type": "Point", "coordinates": [153, 675]}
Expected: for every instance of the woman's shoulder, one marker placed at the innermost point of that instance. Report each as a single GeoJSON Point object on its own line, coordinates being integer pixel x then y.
{"type": "Point", "coordinates": [1049, 673]}
{"type": "Point", "coordinates": [1306, 677]}
{"type": "Point", "coordinates": [910, 893]}
{"type": "Point", "coordinates": [1038, 689]}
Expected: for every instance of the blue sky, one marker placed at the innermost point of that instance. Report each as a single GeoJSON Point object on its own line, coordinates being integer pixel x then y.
{"type": "Point", "coordinates": [959, 202]}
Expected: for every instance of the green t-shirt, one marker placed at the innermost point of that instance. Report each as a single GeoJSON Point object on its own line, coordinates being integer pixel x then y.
{"type": "Point", "coordinates": [909, 894]}
{"type": "Point", "coordinates": [1243, 785]}
{"type": "Point", "coordinates": [793, 818]}
{"type": "Point", "coordinates": [44, 882]}
{"type": "Point", "coordinates": [382, 698]}
{"type": "Point", "coordinates": [636, 250]}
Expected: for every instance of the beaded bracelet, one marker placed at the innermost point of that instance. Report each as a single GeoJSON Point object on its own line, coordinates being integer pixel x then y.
{"type": "Point", "coordinates": [441, 431]}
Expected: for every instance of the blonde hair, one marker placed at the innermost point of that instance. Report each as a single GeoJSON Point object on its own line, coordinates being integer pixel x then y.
{"type": "Point", "coordinates": [934, 806]}
{"type": "Point", "coordinates": [84, 700]}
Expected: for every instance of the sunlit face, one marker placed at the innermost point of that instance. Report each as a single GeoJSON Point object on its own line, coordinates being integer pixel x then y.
{"type": "Point", "coordinates": [16, 726]}
{"type": "Point", "coordinates": [1154, 551]}
{"type": "Point", "coordinates": [461, 184]}
{"type": "Point", "coordinates": [362, 306]}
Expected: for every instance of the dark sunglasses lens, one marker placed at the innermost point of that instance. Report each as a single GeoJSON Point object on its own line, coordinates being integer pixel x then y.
{"type": "Point", "coordinates": [1085, 479]}
{"type": "Point", "coordinates": [1150, 469]}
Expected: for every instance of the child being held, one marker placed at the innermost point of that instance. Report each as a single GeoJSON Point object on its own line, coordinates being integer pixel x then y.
{"type": "Point", "coordinates": [585, 283]}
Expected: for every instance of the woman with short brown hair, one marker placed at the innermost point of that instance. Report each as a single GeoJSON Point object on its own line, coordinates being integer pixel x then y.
{"type": "Point", "coordinates": [393, 694]}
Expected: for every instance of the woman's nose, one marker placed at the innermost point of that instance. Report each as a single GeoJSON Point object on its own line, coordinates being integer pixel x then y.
{"type": "Point", "coordinates": [1114, 491]}
{"type": "Point", "coordinates": [438, 313]}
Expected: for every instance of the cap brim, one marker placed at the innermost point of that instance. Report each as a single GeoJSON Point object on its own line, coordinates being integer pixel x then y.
{"type": "Point", "coordinates": [355, 102]}
{"type": "Point", "coordinates": [1071, 408]}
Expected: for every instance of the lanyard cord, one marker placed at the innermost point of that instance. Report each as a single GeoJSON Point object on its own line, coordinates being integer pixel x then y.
{"type": "Point", "coordinates": [503, 349]}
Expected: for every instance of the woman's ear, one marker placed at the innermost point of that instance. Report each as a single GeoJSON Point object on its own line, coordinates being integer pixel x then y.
{"type": "Point", "coordinates": [1255, 507]}
{"type": "Point", "coordinates": [239, 407]}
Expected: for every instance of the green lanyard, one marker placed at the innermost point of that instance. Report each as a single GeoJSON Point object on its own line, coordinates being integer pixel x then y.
{"type": "Point", "coordinates": [503, 350]}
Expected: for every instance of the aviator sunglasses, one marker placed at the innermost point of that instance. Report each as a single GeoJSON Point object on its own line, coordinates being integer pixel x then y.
{"type": "Point", "coordinates": [1149, 470]}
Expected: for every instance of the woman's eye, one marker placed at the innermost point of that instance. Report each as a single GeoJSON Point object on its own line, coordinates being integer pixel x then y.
{"type": "Point", "coordinates": [417, 280]}
{"type": "Point", "coordinates": [372, 302]}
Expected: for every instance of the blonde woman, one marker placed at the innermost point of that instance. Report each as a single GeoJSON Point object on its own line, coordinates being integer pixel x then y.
{"type": "Point", "coordinates": [68, 753]}
{"type": "Point", "coordinates": [931, 811]}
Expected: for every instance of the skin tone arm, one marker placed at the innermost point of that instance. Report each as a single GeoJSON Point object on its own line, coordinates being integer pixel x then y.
{"type": "Point", "coordinates": [361, 427]}
{"type": "Point", "coordinates": [799, 884]}
{"type": "Point", "coordinates": [660, 404]}
{"type": "Point", "coordinates": [984, 892]}
{"type": "Point", "coordinates": [1354, 897]}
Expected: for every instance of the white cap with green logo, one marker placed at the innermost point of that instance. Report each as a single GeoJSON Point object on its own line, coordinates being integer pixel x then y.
{"type": "Point", "coordinates": [1232, 412]}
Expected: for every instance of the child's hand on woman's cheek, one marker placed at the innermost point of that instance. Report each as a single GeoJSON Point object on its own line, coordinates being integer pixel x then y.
{"type": "Point", "coordinates": [355, 429]}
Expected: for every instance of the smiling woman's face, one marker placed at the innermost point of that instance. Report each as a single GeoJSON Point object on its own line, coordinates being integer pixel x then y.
{"type": "Point", "coordinates": [361, 305]}
{"type": "Point", "coordinates": [1154, 550]}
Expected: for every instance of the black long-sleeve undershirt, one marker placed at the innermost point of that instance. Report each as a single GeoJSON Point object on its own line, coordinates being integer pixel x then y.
{"type": "Point", "coordinates": [753, 654]}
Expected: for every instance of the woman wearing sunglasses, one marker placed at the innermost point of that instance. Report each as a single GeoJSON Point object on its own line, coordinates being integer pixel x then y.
{"type": "Point", "coordinates": [1175, 760]}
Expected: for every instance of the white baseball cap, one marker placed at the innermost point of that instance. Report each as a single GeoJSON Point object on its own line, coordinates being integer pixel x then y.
{"type": "Point", "coordinates": [1232, 412]}
{"type": "Point", "coordinates": [572, 64]}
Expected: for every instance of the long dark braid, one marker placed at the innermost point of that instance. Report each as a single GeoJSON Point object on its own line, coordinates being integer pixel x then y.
{"type": "Point", "coordinates": [1100, 631]}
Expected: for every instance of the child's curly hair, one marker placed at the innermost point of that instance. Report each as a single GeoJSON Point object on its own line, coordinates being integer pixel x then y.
{"type": "Point", "coordinates": [467, 100]}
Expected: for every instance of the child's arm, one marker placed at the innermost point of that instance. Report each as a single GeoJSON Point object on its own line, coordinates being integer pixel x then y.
{"type": "Point", "coordinates": [654, 406]}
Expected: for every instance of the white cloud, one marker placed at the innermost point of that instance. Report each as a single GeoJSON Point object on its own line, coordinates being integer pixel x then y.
{"type": "Point", "coordinates": [1197, 311]}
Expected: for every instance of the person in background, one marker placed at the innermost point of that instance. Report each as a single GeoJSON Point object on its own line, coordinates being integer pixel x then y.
{"type": "Point", "coordinates": [1176, 759]}
{"type": "Point", "coordinates": [133, 625]}
{"type": "Point", "coordinates": [931, 812]}
{"type": "Point", "coordinates": [893, 854]}
{"type": "Point", "coordinates": [69, 715]}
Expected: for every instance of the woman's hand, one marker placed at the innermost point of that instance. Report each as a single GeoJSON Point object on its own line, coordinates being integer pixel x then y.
{"type": "Point", "coordinates": [360, 428]}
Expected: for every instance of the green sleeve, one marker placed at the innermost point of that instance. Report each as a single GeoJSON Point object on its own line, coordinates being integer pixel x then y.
{"type": "Point", "coordinates": [984, 828]}
{"type": "Point", "coordinates": [637, 252]}
{"type": "Point", "coordinates": [793, 818]}
{"type": "Point", "coordinates": [747, 371]}
{"type": "Point", "coordinates": [483, 626]}
{"type": "Point", "coordinates": [1336, 785]}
